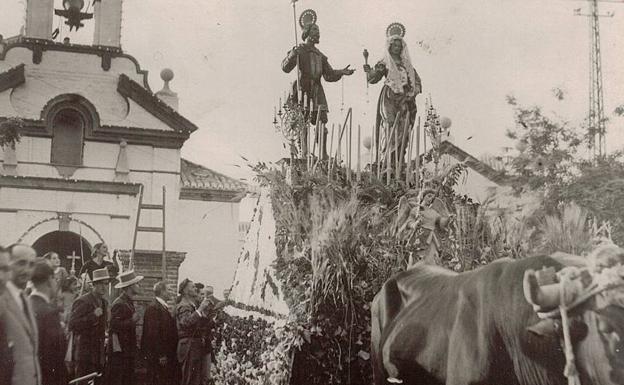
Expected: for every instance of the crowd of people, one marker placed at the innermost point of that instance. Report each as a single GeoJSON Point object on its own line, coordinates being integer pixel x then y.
{"type": "Point", "coordinates": [56, 327]}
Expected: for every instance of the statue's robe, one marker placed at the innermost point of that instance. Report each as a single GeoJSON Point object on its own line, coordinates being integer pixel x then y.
{"type": "Point", "coordinates": [312, 66]}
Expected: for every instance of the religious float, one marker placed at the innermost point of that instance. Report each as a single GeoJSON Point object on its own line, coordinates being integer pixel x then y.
{"type": "Point", "coordinates": [333, 228]}
{"type": "Point", "coordinates": [331, 225]}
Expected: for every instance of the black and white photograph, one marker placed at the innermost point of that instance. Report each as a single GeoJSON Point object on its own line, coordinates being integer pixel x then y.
{"type": "Point", "coordinates": [311, 192]}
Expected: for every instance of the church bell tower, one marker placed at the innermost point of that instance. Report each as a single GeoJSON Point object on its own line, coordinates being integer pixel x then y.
{"type": "Point", "coordinates": [107, 14]}
{"type": "Point", "coordinates": [39, 18]}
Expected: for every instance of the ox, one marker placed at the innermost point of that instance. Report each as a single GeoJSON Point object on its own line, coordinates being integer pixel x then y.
{"type": "Point", "coordinates": [433, 326]}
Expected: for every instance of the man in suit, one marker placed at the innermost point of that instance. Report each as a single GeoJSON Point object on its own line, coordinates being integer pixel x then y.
{"type": "Point", "coordinates": [6, 346]}
{"type": "Point", "coordinates": [122, 332]}
{"type": "Point", "coordinates": [88, 323]}
{"type": "Point", "coordinates": [160, 338]}
{"type": "Point", "coordinates": [191, 322]}
{"type": "Point", "coordinates": [52, 344]}
{"type": "Point", "coordinates": [19, 320]}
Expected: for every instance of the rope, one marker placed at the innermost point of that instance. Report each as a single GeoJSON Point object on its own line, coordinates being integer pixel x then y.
{"type": "Point", "coordinates": [570, 370]}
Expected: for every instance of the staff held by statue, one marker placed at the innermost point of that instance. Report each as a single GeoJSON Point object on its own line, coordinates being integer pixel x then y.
{"type": "Point", "coordinates": [312, 65]}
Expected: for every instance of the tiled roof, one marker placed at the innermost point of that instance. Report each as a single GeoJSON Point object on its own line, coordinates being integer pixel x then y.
{"type": "Point", "coordinates": [195, 176]}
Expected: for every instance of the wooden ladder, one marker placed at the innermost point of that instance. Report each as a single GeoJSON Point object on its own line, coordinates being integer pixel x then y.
{"type": "Point", "coordinates": [144, 229]}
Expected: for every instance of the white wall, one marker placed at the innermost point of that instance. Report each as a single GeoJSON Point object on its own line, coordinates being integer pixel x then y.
{"type": "Point", "coordinates": [208, 232]}
{"type": "Point", "coordinates": [109, 215]}
{"type": "Point", "coordinates": [74, 73]}
{"type": "Point", "coordinates": [473, 184]}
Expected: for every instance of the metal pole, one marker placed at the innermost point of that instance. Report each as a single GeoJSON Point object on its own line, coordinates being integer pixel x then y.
{"type": "Point", "coordinates": [403, 143]}
{"type": "Point", "coordinates": [349, 150]}
{"type": "Point", "coordinates": [359, 146]}
{"type": "Point", "coordinates": [387, 160]}
{"type": "Point", "coordinates": [408, 170]}
{"type": "Point", "coordinates": [331, 152]}
{"type": "Point", "coordinates": [396, 147]}
{"type": "Point", "coordinates": [370, 153]}
{"type": "Point", "coordinates": [297, 44]}
{"type": "Point", "coordinates": [417, 165]}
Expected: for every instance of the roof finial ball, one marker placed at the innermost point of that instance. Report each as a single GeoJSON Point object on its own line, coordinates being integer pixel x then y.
{"type": "Point", "coordinates": [166, 75]}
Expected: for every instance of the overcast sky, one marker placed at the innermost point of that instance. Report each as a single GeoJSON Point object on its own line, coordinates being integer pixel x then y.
{"type": "Point", "coordinates": [226, 55]}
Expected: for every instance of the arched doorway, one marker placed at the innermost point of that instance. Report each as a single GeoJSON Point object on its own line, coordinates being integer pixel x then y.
{"type": "Point", "coordinates": [64, 243]}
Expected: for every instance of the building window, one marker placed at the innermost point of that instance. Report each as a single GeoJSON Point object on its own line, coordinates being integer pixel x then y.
{"type": "Point", "coordinates": [68, 138]}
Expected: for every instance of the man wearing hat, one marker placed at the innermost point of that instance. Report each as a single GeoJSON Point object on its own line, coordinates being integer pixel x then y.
{"type": "Point", "coordinates": [88, 323]}
{"type": "Point", "coordinates": [199, 288]}
{"type": "Point", "coordinates": [122, 332]}
{"type": "Point", "coordinates": [192, 321]}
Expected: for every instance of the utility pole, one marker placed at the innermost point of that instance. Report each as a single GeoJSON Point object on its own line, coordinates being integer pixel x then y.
{"type": "Point", "coordinates": [596, 118]}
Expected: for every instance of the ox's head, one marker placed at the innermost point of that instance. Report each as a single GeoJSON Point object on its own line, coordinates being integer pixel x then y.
{"type": "Point", "coordinates": [599, 349]}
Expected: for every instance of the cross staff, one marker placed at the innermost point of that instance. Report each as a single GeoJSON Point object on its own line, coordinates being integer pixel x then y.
{"type": "Point", "coordinates": [73, 258]}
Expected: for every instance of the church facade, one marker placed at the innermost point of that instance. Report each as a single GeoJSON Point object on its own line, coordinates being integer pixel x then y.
{"type": "Point", "coordinates": [94, 139]}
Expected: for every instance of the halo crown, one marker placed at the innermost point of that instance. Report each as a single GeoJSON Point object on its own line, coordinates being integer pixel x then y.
{"type": "Point", "coordinates": [307, 17]}
{"type": "Point", "coordinates": [395, 29]}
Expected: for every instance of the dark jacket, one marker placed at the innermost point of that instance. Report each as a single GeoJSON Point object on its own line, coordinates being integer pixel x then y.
{"type": "Point", "coordinates": [160, 334]}
{"type": "Point", "coordinates": [123, 326]}
{"type": "Point", "coordinates": [6, 354]}
{"type": "Point", "coordinates": [88, 329]}
{"type": "Point", "coordinates": [52, 345]}
{"type": "Point", "coordinates": [191, 326]}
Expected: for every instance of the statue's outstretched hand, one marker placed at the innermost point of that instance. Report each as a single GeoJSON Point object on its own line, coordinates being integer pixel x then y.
{"type": "Point", "coordinates": [367, 68]}
{"type": "Point", "coordinates": [347, 71]}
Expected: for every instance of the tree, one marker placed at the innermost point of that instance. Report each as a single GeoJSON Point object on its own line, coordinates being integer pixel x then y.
{"type": "Point", "coordinates": [10, 131]}
{"type": "Point", "coordinates": [599, 188]}
{"type": "Point", "coordinates": [547, 146]}
{"type": "Point", "coordinates": [548, 161]}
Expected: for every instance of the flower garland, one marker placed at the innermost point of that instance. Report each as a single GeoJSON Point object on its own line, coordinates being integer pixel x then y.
{"type": "Point", "coordinates": [251, 348]}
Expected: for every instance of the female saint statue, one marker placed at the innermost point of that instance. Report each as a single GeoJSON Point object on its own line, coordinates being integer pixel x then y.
{"type": "Point", "coordinates": [396, 109]}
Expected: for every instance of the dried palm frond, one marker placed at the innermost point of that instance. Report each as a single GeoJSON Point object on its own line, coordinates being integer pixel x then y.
{"type": "Point", "coordinates": [567, 232]}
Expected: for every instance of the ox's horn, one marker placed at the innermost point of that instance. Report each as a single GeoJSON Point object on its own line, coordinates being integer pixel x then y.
{"type": "Point", "coordinates": [543, 298]}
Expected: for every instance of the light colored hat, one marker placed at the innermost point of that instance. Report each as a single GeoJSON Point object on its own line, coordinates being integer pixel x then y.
{"type": "Point", "coordinates": [127, 278]}
{"type": "Point", "coordinates": [101, 275]}
{"type": "Point", "coordinates": [209, 289]}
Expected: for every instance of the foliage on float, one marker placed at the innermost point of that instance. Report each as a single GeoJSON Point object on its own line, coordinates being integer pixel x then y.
{"type": "Point", "coordinates": [251, 348]}
{"type": "Point", "coordinates": [337, 243]}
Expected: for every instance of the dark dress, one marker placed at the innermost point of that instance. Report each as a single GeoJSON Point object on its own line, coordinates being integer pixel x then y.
{"type": "Point", "coordinates": [122, 356]}
{"type": "Point", "coordinates": [391, 106]}
{"type": "Point", "coordinates": [89, 333]}
{"type": "Point", "coordinates": [52, 345]}
{"type": "Point", "coordinates": [159, 339]}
